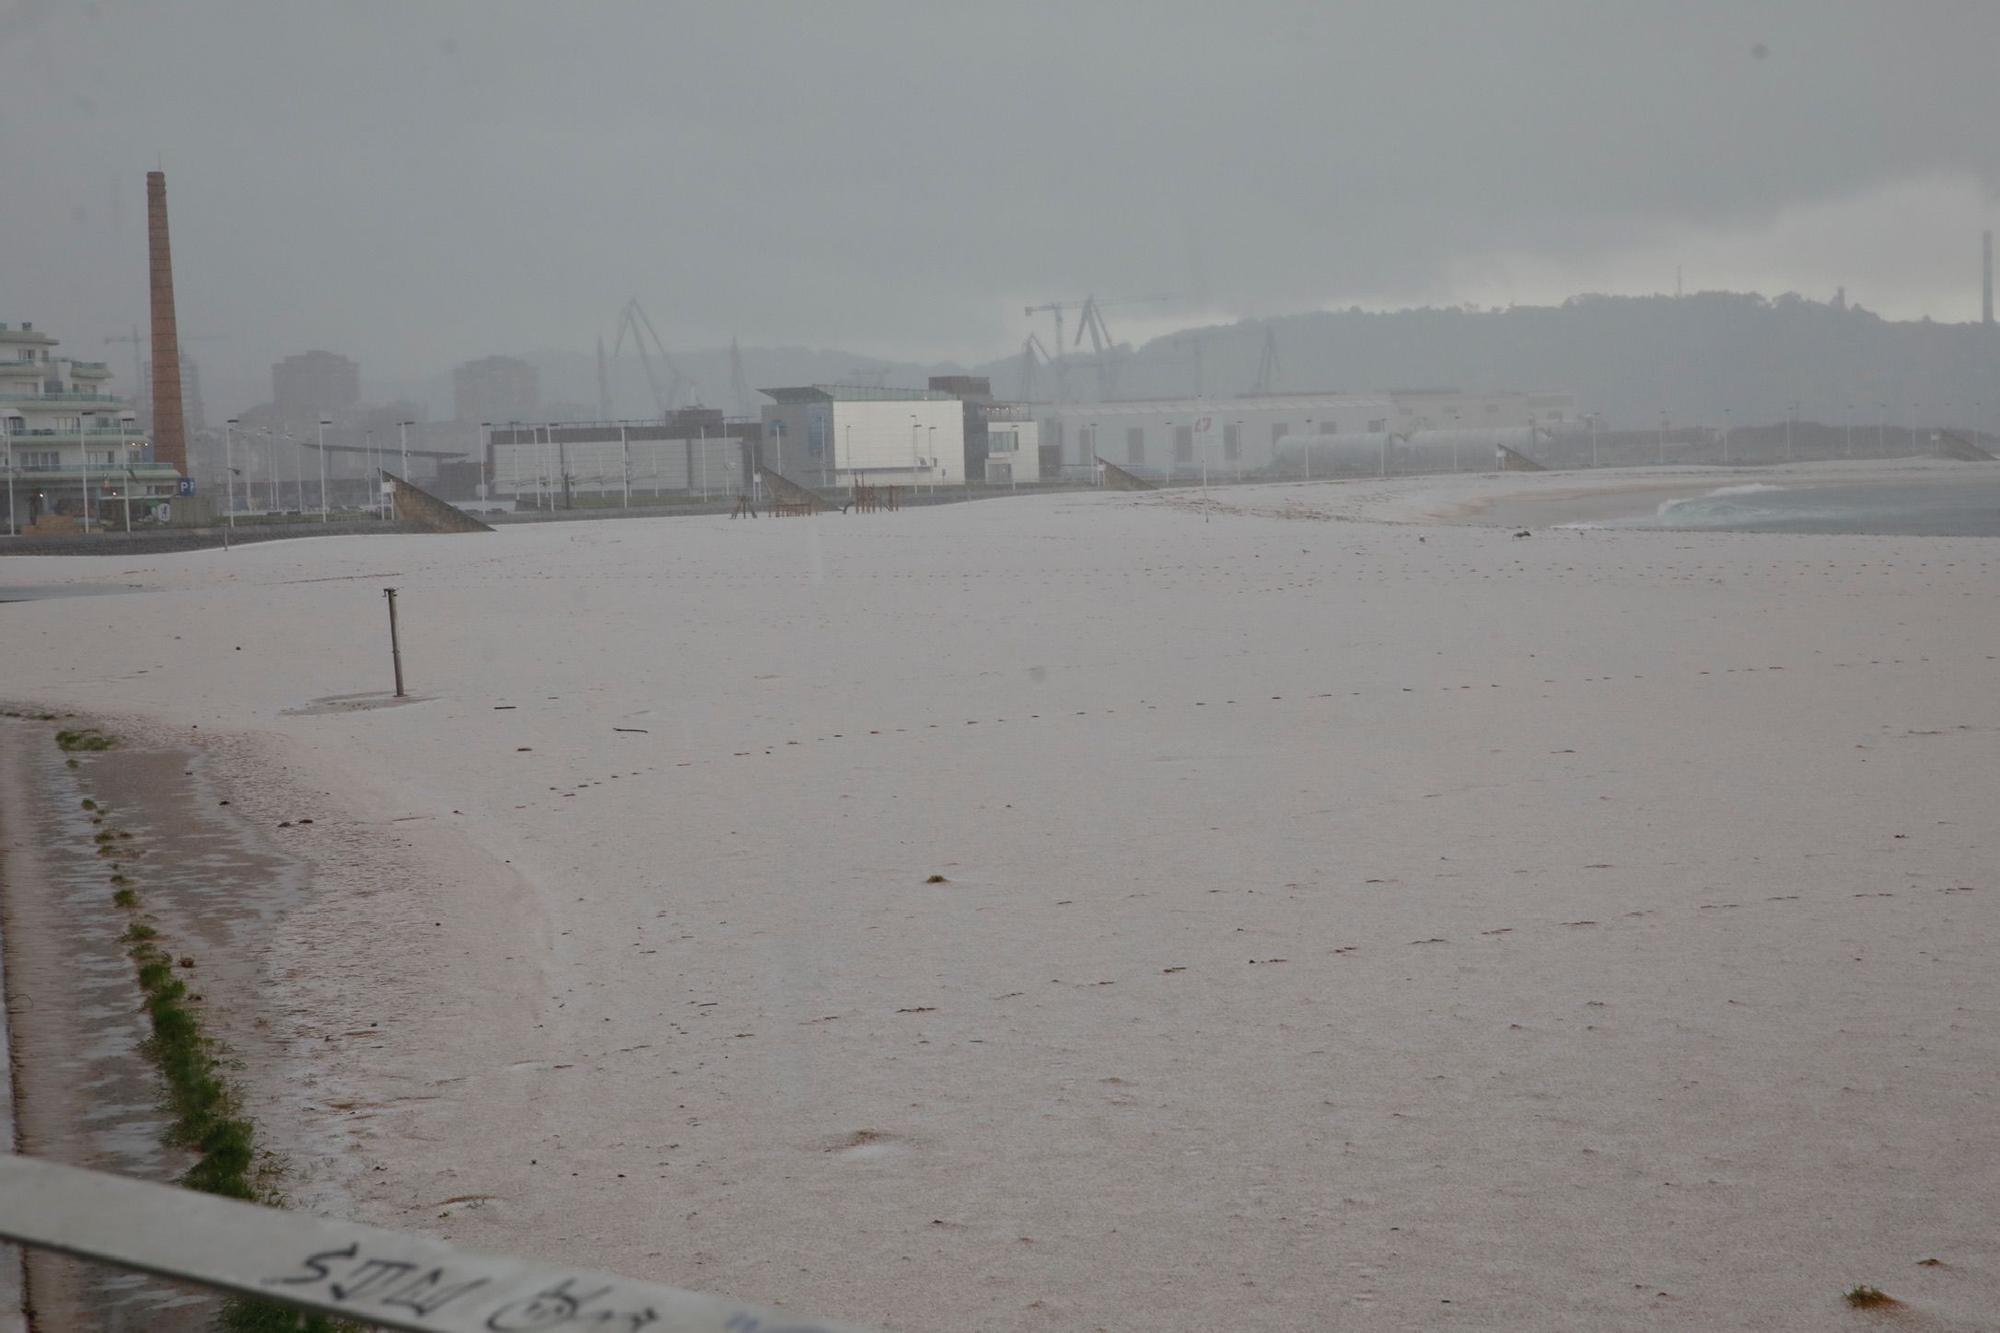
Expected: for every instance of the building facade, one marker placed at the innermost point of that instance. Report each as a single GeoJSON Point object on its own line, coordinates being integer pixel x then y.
{"type": "Point", "coordinates": [496, 388]}
{"type": "Point", "coordinates": [1261, 433]}
{"type": "Point", "coordinates": [843, 435]}
{"type": "Point", "coordinates": [311, 385]}
{"type": "Point", "coordinates": [68, 446]}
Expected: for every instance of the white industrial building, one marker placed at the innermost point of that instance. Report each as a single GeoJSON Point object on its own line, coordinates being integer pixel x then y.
{"type": "Point", "coordinates": [1285, 433]}
{"type": "Point", "coordinates": [613, 461]}
{"type": "Point", "coordinates": [842, 435]}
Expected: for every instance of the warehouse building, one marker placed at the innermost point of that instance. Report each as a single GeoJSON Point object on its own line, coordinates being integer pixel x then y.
{"type": "Point", "coordinates": [1266, 433]}
{"type": "Point", "coordinates": [695, 453]}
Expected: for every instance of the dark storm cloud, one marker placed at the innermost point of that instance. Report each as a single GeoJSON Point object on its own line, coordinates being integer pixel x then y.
{"type": "Point", "coordinates": [419, 184]}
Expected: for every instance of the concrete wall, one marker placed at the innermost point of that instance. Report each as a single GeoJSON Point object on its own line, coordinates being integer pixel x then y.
{"type": "Point", "coordinates": [893, 443]}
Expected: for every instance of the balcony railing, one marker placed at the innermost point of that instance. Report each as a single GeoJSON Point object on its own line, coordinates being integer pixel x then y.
{"type": "Point", "coordinates": [111, 472]}
{"type": "Point", "coordinates": [87, 431]}
{"type": "Point", "coordinates": [10, 394]}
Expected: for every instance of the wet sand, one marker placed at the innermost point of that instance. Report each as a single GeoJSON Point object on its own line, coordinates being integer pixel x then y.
{"type": "Point", "coordinates": [1344, 923]}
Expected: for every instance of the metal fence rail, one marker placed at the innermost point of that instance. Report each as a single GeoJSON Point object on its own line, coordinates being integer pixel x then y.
{"type": "Point", "coordinates": [344, 1269]}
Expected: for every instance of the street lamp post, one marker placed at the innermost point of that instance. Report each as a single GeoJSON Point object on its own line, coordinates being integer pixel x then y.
{"type": "Point", "coordinates": [403, 430]}
{"type": "Point", "coordinates": [85, 454]}
{"type": "Point", "coordinates": [228, 469]}
{"type": "Point", "coordinates": [932, 438]}
{"type": "Point", "coordinates": [324, 422]}
{"type": "Point", "coordinates": [625, 455]}
{"type": "Point", "coordinates": [7, 439]}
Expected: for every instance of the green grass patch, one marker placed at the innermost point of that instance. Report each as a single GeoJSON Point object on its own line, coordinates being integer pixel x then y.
{"type": "Point", "coordinates": [86, 738]}
{"type": "Point", "coordinates": [125, 898]}
{"type": "Point", "coordinates": [1869, 1298]}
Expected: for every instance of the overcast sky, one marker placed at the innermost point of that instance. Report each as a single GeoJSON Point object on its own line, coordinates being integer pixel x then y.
{"type": "Point", "coordinates": [417, 184]}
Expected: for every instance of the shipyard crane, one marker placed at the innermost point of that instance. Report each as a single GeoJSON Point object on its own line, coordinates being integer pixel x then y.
{"type": "Point", "coordinates": [1268, 368]}
{"type": "Point", "coordinates": [633, 320]}
{"type": "Point", "coordinates": [1035, 357]}
{"type": "Point", "coordinates": [1106, 352]}
{"type": "Point", "coordinates": [1090, 315]}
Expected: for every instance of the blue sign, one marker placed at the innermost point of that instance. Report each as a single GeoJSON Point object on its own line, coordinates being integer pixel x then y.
{"type": "Point", "coordinates": [187, 486]}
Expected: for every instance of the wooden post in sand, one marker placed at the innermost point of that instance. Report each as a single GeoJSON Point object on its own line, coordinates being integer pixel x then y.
{"type": "Point", "coordinates": [395, 644]}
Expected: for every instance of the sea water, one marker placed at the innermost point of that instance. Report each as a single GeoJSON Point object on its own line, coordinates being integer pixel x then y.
{"type": "Point", "coordinates": [1933, 507]}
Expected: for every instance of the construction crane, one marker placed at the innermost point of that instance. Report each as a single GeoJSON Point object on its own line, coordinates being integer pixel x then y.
{"type": "Point", "coordinates": [139, 342]}
{"type": "Point", "coordinates": [1106, 352]}
{"type": "Point", "coordinates": [1035, 357]}
{"type": "Point", "coordinates": [1268, 368]}
{"type": "Point", "coordinates": [1108, 355]}
{"type": "Point", "coordinates": [633, 320]}
{"type": "Point", "coordinates": [1089, 305]}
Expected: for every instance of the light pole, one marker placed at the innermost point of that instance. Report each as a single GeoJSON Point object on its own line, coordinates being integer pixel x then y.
{"type": "Point", "coordinates": [932, 438]}
{"type": "Point", "coordinates": [85, 455]}
{"type": "Point", "coordinates": [324, 422]}
{"type": "Point", "coordinates": [625, 453]}
{"type": "Point", "coordinates": [7, 438]}
{"type": "Point", "coordinates": [228, 468]}
{"type": "Point", "coordinates": [403, 430]}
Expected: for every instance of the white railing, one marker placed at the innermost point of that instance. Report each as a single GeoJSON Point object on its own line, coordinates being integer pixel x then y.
{"type": "Point", "coordinates": [345, 1270]}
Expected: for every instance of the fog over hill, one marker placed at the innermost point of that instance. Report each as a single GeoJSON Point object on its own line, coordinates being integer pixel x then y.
{"type": "Point", "coordinates": [1704, 359]}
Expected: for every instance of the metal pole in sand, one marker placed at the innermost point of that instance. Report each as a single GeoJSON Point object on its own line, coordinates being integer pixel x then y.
{"type": "Point", "coordinates": [395, 643]}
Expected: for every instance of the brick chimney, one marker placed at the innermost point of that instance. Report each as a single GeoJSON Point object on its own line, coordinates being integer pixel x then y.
{"type": "Point", "coordinates": [169, 427]}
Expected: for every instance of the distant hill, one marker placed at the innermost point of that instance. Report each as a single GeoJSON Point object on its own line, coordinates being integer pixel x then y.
{"type": "Point", "coordinates": [1710, 359]}
{"type": "Point", "coordinates": [1694, 358]}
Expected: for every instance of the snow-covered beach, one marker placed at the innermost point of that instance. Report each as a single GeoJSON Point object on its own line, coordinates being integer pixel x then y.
{"type": "Point", "coordinates": [1343, 923]}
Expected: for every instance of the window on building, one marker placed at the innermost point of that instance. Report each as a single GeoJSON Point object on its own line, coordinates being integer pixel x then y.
{"type": "Point", "coordinates": [1378, 425]}
{"type": "Point", "coordinates": [1184, 444]}
{"type": "Point", "coordinates": [1002, 441]}
{"type": "Point", "coordinates": [1329, 428]}
{"type": "Point", "coordinates": [1232, 440]}
{"type": "Point", "coordinates": [1135, 444]}
{"type": "Point", "coordinates": [1279, 430]}
{"type": "Point", "coordinates": [35, 458]}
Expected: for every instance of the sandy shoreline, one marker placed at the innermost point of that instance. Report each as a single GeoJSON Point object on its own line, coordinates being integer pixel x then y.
{"type": "Point", "coordinates": [1340, 928]}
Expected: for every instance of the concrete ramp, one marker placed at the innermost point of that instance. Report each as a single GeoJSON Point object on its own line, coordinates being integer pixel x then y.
{"type": "Point", "coordinates": [783, 490]}
{"type": "Point", "coordinates": [1118, 479]}
{"type": "Point", "coordinates": [413, 505]}
{"type": "Point", "coordinates": [1950, 444]}
{"type": "Point", "coordinates": [1513, 460]}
